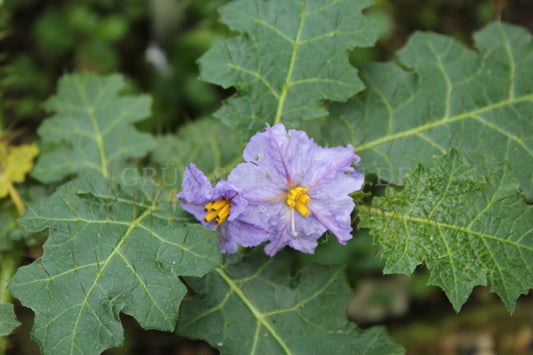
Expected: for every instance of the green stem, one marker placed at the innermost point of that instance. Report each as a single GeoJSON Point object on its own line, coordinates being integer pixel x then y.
{"type": "Point", "coordinates": [2, 124]}
{"type": "Point", "coordinates": [8, 265]}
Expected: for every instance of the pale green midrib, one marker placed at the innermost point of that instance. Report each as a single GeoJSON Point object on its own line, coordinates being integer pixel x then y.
{"type": "Point", "coordinates": [444, 121]}
{"type": "Point", "coordinates": [518, 141]}
{"type": "Point", "coordinates": [101, 271]}
{"type": "Point", "coordinates": [399, 216]}
{"type": "Point", "coordinates": [452, 264]}
{"type": "Point", "coordinates": [512, 70]}
{"type": "Point", "coordinates": [260, 21]}
{"type": "Point", "coordinates": [442, 69]}
{"type": "Point", "coordinates": [294, 308]}
{"type": "Point", "coordinates": [258, 77]}
{"type": "Point", "coordinates": [256, 338]}
{"type": "Point", "coordinates": [97, 133]}
{"type": "Point", "coordinates": [284, 92]}
{"type": "Point", "coordinates": [123, 223]}
{"type": "Point", "coordinates": [258, 315]}
{"type": "Point", "coordinates": [100, 143]}
{"type": "Point", "coordinates": [52, 277]}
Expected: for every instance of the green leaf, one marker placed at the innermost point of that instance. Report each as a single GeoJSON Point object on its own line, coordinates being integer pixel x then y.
{"type": "Point", "coordinates": [291, 56]}
{"type": "Point", "coordinates": [8, 319]}
{"type": "Point", "coordinates": [439, 95]}
{"type": "Point", "coordinates": [208, 143]}
{"type": "Point", "coordinates": [11, 231]}
{"type": "Point", "coordinates": [462, 227]}
{"type": "Point", "coordinates": [111, 249]}
{"type": "Point", "coordinates": [253, 306]}
{"type": "Point", "coordinates": [92, 129]}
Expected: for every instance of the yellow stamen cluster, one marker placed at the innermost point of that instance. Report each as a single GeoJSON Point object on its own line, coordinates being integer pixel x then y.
{"type": "Point", "coordinates": [217, 209]}
{"type": "Point", "coordinates": [297, 198]}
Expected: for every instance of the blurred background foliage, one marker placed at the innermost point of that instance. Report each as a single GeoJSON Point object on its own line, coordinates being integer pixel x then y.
{"type": "Point", "coordinates": [156, 44]}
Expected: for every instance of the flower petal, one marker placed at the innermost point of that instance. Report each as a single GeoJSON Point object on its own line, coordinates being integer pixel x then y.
{"type": "Point", "coordinates": [246, 230]}
{"type": "Point", "coordinates": [197, 192]}
{"type": "Point", "coordinates": [335, 216]}
{"type": "Point", "coordinates": [279, 236]}
{"type": "Point", "coordinates": [196, 187]}
{"type": "Point", "coordinates": [335, 161]}
{"type": "Point", "coordinates": [308, 230]}
{"type": "Point", "coordinates": [285, 155]}
{"type": "Point", "coordinates": [226, 191]}
{"type": "Point", "coordinates": [255, 183]}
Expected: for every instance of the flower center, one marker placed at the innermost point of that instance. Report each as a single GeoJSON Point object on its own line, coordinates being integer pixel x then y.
{"type": "Point", "coordinates": [217, 209]}
{"type": "Point", "coordinates": [297, 198]}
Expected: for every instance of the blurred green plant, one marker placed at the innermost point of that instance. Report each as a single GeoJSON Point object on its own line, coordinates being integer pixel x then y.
{"type": "Point", "coordinates": [47, 40]}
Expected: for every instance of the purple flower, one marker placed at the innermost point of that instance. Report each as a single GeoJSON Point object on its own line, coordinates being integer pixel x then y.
{"type": "Point", "coordinates": [220, 208]}
{"type": "Point", "coordinates": [300, 189]}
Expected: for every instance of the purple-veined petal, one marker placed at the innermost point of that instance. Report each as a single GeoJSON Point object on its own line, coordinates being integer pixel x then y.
{"type": "Point", "coordinates": [279, 236]}
{"type": "Point", "coordinates": [333, 161]}
{"type": "Point", "coordinates": [305, 243]}
{"type": "Point", "coordinates": [196, 187]}
{"type": "Point", "coordinates": [285, 222]}
{"type": "Point", "coordinates": [334, 215]}
{"type": "Point", "coordinates": [265, 151]}
{"type": "Point", "coordinates": [225, 243]}
{"type": "Point", "coordinates": [197, 192]}
{"type": "Point", "coordinates": [255, 183]}
{"type": "Point", "coordinates": [241, 231]}
{"type": "Point", "coordinates": [335, 186]}
{"type": "Point", "coordinates": [285, 155]}
{"type": "Point", "coordinates": [198, 212]}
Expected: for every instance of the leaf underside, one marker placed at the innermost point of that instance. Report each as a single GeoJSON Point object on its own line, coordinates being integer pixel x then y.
{"type": "Point", "coordinates": [253, 306]}
{"type": "Point", "coordinates": [439, 95]}
{"type": "Point", "coordinates": [110, 249]}
{"type": "Point", "coordinates": [463, 228]}
{"type": "Point", "coordinates": [291, 56]}
{"type": "Point", "coordinates": [92, 128]}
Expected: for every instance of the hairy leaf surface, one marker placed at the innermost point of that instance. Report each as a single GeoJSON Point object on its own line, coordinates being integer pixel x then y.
{"type": "Point", "coordinates": [252, 305]}
{"type": "Point", "coordinates": [92, 128]}
{"type": "Point", "coordinates": [442, 95]}
{"type": "Point", "coordinates": [291, 56]}
{"type": "Point", "coordinates": [111, 249]}
{"type": "Point", "coordinates": [463, 228]}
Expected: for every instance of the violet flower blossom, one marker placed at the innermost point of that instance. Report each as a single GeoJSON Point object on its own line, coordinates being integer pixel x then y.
{"type": "Point", "coordinates": [220, 208]}
{"type": "Point", "coordinates": [300, 188]}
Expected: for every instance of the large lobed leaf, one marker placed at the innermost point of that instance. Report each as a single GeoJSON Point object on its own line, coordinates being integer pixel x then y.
{"type": "Point", "coordinates": [462, 227]}
{"type": "Point", "coordinates": [252, 305]}
{"type": "Point", "coordinates": [291, 56]}
{"type": "Point", "coordinates": [92, 129]}
{"type": "Point", "coordinates": [439, 95]}
{"type": "Point", "coordinates": [111, 249]}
